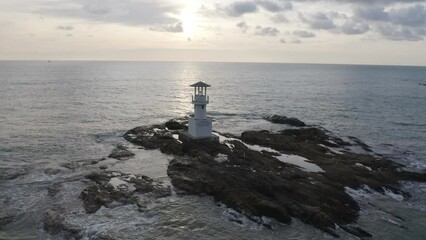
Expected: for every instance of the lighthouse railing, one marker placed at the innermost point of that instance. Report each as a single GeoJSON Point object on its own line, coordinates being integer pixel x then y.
{"type": "Point", "coordinates": [200, 99]}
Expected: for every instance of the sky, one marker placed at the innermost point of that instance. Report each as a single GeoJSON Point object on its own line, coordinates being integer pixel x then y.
{"type": "Point", "coordinates": [383, 32]}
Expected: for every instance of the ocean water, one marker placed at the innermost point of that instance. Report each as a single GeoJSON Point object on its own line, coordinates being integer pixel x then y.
{"type": "Point", "coordinates": [61, 112]}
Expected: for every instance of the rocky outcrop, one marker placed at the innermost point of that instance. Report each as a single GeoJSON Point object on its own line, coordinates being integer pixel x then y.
{"type": "Point", "coordinates": [121, 152]}
{"type": "Point", "coordinates": [155, 137]}
{"type": "Point", "coordinates": [285, 120]}
{"type": "Point", "coordinates": [250, 174]}
{"type": "Point", "coordinates": [111, 188]}
{"type": "Point", "coordinates": [176, 124]}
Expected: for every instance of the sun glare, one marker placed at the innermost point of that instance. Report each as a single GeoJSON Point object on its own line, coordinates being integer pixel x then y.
{"type": "Point", "coordinates": [187, 17]}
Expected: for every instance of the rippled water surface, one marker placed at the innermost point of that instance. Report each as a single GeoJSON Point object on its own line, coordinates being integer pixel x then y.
{"type": "Point", "coordinates": [64, 112]}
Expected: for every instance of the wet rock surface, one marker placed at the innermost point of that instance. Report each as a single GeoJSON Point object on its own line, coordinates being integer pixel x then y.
{"type": "Point", "coordinates": [285, 120]}
{"type": "Point", "coordinates": [112, 189]}
{"type": "Point", "coordinates": [121, 152]}
{"type": "Point", "coordinates": [175, 124]}
{"type": "Point", "coordinates": [247, 173]}
{"type": "Point", "coordinates": [155, 137]}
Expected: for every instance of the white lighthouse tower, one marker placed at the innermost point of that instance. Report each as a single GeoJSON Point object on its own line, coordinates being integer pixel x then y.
{"type": "Point", "coordinates": [199, 126]}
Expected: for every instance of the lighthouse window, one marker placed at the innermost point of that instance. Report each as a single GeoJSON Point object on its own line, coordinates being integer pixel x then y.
{"type": "Point", "coordinates": [202, 107]}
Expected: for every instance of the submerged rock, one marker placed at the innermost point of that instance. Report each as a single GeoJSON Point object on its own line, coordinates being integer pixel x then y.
{"type": "Point", "coordinates": [357, 231]}
{"type": "Point", "coordinates": [112, 188]}
{"type": "Point", "coordinates": [285, 120]}
{"type": "Point", "coordinates": [6, 219]}
{"type": "Point", "coordinates": [12, 173]}
{"type": "Point", "coordinates": [51, 171]}
{"type": "Point", "coordinates": [53, 189]}
{"type": "Point", "coordinates": [261, 175]}
{"type": "Point", "coordinates": [54, 223]}
{"type": "Point", "coordinates": [120, 152]}
{"type": "Point", "coordinates": [80, 163]}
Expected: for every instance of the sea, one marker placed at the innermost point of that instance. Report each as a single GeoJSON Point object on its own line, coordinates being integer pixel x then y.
{"type": "Point", "coordinates": [60, 112]}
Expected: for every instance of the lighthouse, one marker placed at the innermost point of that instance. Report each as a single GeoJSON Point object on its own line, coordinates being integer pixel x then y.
{"type": "Point", "coordinates": [199, 126]}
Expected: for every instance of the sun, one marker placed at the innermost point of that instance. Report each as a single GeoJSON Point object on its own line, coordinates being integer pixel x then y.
{"type": "Point", "coordinates": [188, 20]}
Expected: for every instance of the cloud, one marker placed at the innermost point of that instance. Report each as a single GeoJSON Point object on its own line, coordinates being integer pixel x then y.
{"type": "Point", "coordinates": [319, 20]}
{"type": "Point", "coordinates": [273, 6]}
{"type": "Point", "coordinates": [279, 18]}
{"type": "Point", "coordinates": [397, 23]}
{"type": "Point", "coordinates": [237, 9]}
{"type": "Point", "coordinates": [65, 28]}
{"type": "Point", "coordinates": [304, 34]}
{"type": "Point", "coordinates": [294, 40]}
{"type": "Point", "coordinates": [243, 26]}
{"type": "Point", "coordinates": [411, 16]}
{"type": "Point", "coordinates": [127, 12]}
{"type": "Point", "coordinates": [372, 13]}
{"type": "Point", "coordinates": [366, 2]}
{"type": "Point", "coordinates": [266, 31]}
{"type": "Point", "coordinates": [240, 8]}
{"type": "Point", "coordinates": [400, 33]}
{"type": "Point", "coordinates": [353, 28]}
{"type": "Point", "coordinates": [406, 16]}
{"type": "Point", "coordinates": [173, 28]}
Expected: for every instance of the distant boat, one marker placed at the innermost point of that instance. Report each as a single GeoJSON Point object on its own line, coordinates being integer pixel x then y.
{"type": "Point", "coordinates": [422, 84]}
{"type": "Point", "coordinates": [48, 61]}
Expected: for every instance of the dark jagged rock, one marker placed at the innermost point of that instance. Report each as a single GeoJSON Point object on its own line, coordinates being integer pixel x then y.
{"type": "Point", "coordinates": [154, 137]}
{"type": "Point", "coordinates": [106, 192]}
{"type": "Point", "coordinates": [54, 223]}
{"type": "Point", "coordinates": [285, 120]}
{"type": "Point", "coordinates": [412, 176]}
{"type": "Point", "coordinates": [257, 183]}
{"type": "Point", "coordinates": [175, 125]}
{"type": "Point", "coordinates": [121, 152]}
{"type": "Point", "coordinates": [340, 168]}
{"type": "Point", "coordinates": [100, 177]}
{"type": "Point", "coordinates": [96, 196]}
{"type": "Point", "coordinates": [144, 184]}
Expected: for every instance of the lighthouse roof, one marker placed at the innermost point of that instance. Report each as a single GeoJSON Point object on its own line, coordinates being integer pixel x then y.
{"type": "Point", "coordinates": [200, 84]}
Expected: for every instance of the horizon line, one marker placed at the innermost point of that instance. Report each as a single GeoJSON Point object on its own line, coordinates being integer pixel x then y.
{"type": "Point", "coordinates": [203, 61]}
